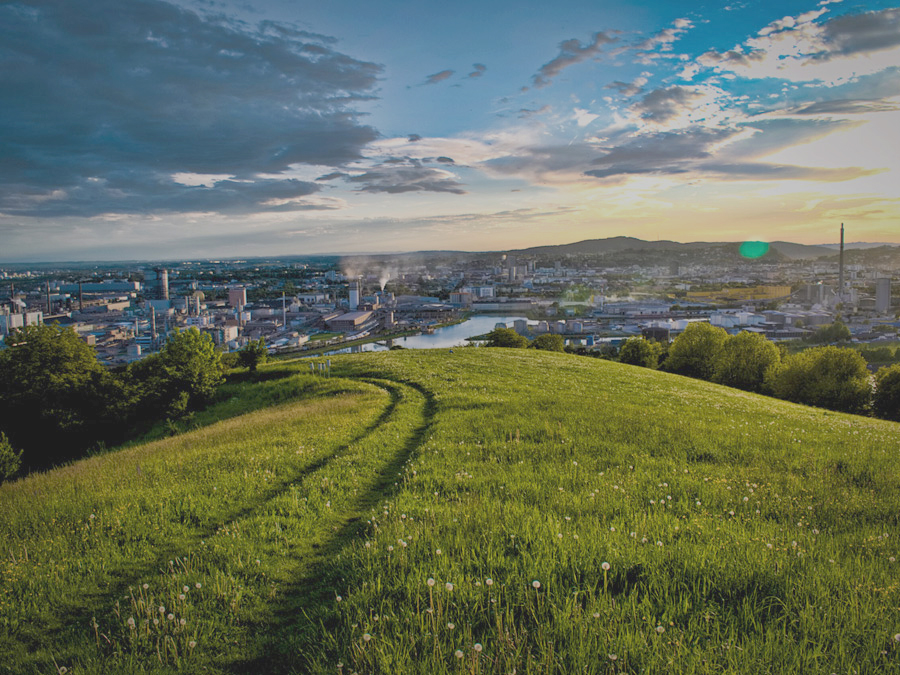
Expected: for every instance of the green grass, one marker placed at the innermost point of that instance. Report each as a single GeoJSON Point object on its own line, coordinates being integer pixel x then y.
{"type": "Point", "coordinates": [678, 526]}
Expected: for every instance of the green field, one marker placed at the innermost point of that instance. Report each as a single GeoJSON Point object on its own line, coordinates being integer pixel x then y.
{"type": "Point", "coordinates": [486, 511]}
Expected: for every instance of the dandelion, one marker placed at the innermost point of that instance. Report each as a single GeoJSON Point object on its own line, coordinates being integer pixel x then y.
{"type": "Point", "coordinates": [181, 596]}
{"type": "Point", "coordinates": [366, 637]}
{"type": "Point", "coordinates": [660, 630]}
{"type": "Point", "coordinates": [488, 582]}
{"type": "Point", "coordinates": [170, 616]}
{"type": "Point", "coordinates": [198, 585]}
{"type": "Point", "coordinates": [458, 653]}
{"type": "Point", "coordinates": [162, 610]}
{"type": "Point", "coordinates": [596, 615]}
{"type": "Point", "coordinates": [182, 621]}
{"type": "Point", "coordinates": [430, 581]}
{"type": "Point", "coordinates": [146, 586]}
{"type": "Point", "coordinates": [477, 647]}
{"type": "Point", "coordinates": [155, 622]}
{"type": "Point", "coordinates": [659, 543]}
{"type": "Point", "coordinates": [897, 637]}
{"type": "Point", "coordinates": [192, 644]}
{"type": "Point", "coordinates": [131, 622]}
{"type": "Point", "coordinates": [451, 626]}
{"type": "Point", "coordinates": [338, 598]}
{"type": "Point", "coordinates": [185, 589]}
{"type": "Point", "coordinates": [257, 561]}
{"type": "Point", "coordinates": [390, 548]}
{"type": "Point", "coordinates": [612, 657]}
{"type": "Point", "coordinates": [438, 552]}
{"type": "Point", "coordinates": [559, 536]}
{"type": "Point", "coordinates": [536, 584]}
{"type": "Point", "coordinates": [605, 566]}
{"type": "Point", "coordinates": [448, 586]}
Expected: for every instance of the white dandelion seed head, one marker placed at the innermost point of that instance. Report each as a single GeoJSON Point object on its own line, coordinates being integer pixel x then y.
{"type": "Point", "coordinates": [477, 647]}
{"type": "Point", "coordinates": [170, 616]}
{"type": "Point", "coordinates": [430, 581]}
{"type": "Point", "coordinates": [131, 622]}
{"type": "Point", "coordinates": [182, 621]}
{"type": "Point", "coordinates": [162, 610]}
{"type": "Point", "coordinates": [536, 583]}
{"type": "Point", "coordinates": [146, 586]}
{"type": "Point", "coordinates": [192, 644]}
{"type": "Point", "coordinates": [448, 586]}
{"type": "Point", "coordinates": [489, 582]}
{"type": "Point", "coordinates": [660, 630]}
{"type": "Point", "coordinates": [185, 589]}
{"type": "Point", "coordinates": [605, 566]}
{"type": "Point", "coordinates": [458, 653]}
{"type": "Point", "coordinates": [198, 585]}
{"type": "Point", "coordinates": [451, 626]}
{"type": "Point", "coordinates": [366, 637]}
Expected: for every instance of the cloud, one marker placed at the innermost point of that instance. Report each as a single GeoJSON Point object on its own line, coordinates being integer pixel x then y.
{"type": "Point", "coordinates": [662, 105]}
{"type": "Point", "coordinates": [445, 160]}
{"type": "Point", "coordinates": [846, 107]}
{"type": "Point", "coordinates": [438, 77]}
{"type": "Point", "coordinates": [479, 70]}
{"type": "Point", "coordinates": [528, 112]}
{"type": "Point", "coordinates": [406, 175]}
{"type": "Point", "coordinates": [801, 49]}
{"type": "Point", "coordinates": [102, 108]}
{"type": "Point", "coordinates": [413, 138]}
{"type": "Point", "coordinates": [629, 89]}
{"type": "Point", "coordinates": [570, 53]}
{"type": "Point", "coordinates": [665, 38]}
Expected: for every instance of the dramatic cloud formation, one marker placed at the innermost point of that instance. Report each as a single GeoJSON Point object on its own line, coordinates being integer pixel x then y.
{"type": "Point", "coordinates": [101, 107]}
{"type": "Point", "coordinates": [801, 49]}
{"type": "Point", "coordinates": [570, 53]}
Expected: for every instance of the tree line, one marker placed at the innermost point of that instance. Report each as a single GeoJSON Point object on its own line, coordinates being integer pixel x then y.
{"type": "Point", "coordinates": [58, 402]}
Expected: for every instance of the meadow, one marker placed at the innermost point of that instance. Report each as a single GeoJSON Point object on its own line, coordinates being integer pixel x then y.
{"type": "Point", "coordinates": [485, 511]}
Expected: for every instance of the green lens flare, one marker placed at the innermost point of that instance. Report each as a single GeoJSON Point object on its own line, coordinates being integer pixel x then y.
{"type": "Point", "coordinates": [754, 249]}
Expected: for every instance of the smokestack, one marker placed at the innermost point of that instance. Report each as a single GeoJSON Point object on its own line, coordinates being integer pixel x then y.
{"type": "Point", "coordinates": [841, 266]}
{"type": "Point", "coordinates": [80, 297]}
{"type": "Point", "coordinates": [283, 311]}
{"type": "Point", "coordinates": [49, 308]}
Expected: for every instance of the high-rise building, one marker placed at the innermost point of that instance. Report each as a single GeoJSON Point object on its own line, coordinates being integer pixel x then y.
{"type": "Point", "coordinates": [882, 295]}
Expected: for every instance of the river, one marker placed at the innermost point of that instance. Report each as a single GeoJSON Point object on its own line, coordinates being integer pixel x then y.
{"type": "Point", "coordinates": [448, 336]}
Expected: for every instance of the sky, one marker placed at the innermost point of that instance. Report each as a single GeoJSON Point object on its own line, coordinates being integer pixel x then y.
{"type": "Point", "coordinates": [152, 129]}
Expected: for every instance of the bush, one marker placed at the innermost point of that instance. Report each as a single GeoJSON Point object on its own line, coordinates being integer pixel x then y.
{"type": "Point", "coordinates": [506, 337]}
{"type": "Point", "coordinates": [253, 354]}
{"type": "Point", "coordinates": [10, 460]}
{"type": "Point", "coordinates": [640, 352]}
{"type": "Point", "coordinates": [695, 351]}
{"type": "Point", "coordinates": [549, 342]}
{"type": "Point", "coordinates": [835, 332]}
{"type": "Point", "coordinates": [887, 393]}
{"type": "Point", "coordinates": [184, 374]}
{"type": "Point", "coordinates": [829, 377]}
{"type": "Point", "coordinates": [744, 360]}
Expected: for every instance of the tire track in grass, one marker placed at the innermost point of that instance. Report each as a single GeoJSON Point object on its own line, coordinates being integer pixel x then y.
{"type": "Point", "coordinates": [294, 634]}
{"type": "Point", "coordinates": [79, 611]}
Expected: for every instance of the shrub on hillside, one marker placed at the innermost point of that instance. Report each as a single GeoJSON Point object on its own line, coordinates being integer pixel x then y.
{"type": "Point", "coordinates": [640, 352]}
{"type": "Point", "coordinates": [695, 351]}
{"type": "Point", "coordinates": [744, 360]}
{"type": "Point", "coordinates": [506, 337]}
{"type": "Point", "coordinates": [253, 354]}
{"type": "Point", "coordinates": [835, 332]}
{"type": "Point", "coordinates": [10, 460]}
{"type": "Point", "coordinates": [181, 376]}
{"type": "Point", "coordinates": [549, 343]}
{"type": "Point", "coordinates": [887, 393]}
{"type": "Point", "coordinates": [829, 377]}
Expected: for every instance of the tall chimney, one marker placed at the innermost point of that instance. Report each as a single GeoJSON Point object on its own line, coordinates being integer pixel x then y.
{"type": "Point", "coordinates": [49, 307]}
{"type": "Point", "coordinates": [841, 267]}
{"type": "Point", "coordinates": [80, 297]}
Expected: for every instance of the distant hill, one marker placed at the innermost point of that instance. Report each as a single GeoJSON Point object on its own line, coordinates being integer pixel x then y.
{"type": "Point", "coordinates": [595, 247]}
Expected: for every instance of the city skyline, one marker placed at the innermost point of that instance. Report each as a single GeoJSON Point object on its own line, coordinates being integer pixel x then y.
{"type": "Point", "coordinates": [164, 130]}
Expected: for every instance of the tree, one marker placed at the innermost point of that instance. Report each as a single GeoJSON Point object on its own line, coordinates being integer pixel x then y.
{"type": "Point", "coordinates": [835, 332]}
{"type": "Point", "coordinates": [253, 354]}
{"type": "Point", "coordinates": [829, 377]}
{"type": "Point", "coordinates": [744, 360]}
{"type": "Point", "coordinates": [887, 393]}
{"type": "Point", "coordinates": [181, 376]}
{"type": "Point", "coordinates": [640, 352]}
{"type": "Point", "coordinates": [506, 337]}
{"type": "Point", "coordinates": [55, 396]}
{"type": "Point", "coordinates": [695, 351]}
{"type": "Point", "coordinates": [10, 460]}
{"type": "Point", "coordinates": [549, 342]}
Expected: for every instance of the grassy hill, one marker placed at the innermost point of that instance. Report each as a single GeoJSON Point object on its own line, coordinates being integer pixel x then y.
{"type": "Point", "coordinates": [486, 511]}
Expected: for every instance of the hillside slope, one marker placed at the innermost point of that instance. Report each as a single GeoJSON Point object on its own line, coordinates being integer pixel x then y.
{"type": "Point", "coordinates": [481, 511]}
